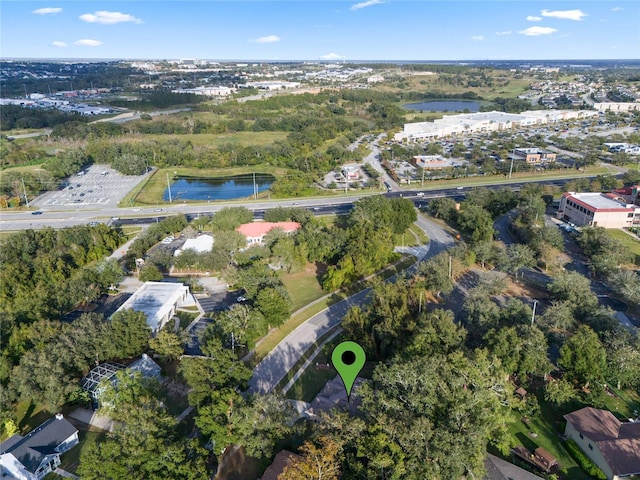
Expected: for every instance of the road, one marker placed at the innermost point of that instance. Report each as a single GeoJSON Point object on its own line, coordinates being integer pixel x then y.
{"type": "Point", "coordinates": [273, 368]}
{"type": "Point", "coordinates": [373, 159]}
{"type": "Point", "coordinates": [30, 135]}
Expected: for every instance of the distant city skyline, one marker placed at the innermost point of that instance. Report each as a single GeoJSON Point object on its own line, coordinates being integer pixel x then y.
{"type": "Point", "coordinates": [321, 30]}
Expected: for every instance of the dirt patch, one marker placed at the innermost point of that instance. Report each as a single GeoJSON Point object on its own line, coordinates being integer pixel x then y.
{"type": "Point", "coordinates": [521, 290]}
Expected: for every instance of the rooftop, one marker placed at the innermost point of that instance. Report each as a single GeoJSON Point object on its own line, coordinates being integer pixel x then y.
{"type": "Point", "coordinates": [597, 200]}
{"type": "Point", "coordinates": [155, 299]}
{"type": "Point", "coordinates": [258, 229]}
{"type": "Point", "coordinates": [619, 442]}
{"type": "Point", "coordinates": [200, 244]}
{"type": "Point", "coordinates": [31, 449]}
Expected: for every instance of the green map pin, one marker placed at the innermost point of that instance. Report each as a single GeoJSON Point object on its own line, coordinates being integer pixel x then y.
{"type": "Point", "coordinates": [348, 358]}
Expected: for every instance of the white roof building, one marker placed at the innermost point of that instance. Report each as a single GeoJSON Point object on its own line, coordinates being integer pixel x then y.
{"type": "Point", "coordinates": [201, 244]}
{"type": "Point", "coordinates": [451, 125]}
{"type": "Point", "coordinates": [159, 302]}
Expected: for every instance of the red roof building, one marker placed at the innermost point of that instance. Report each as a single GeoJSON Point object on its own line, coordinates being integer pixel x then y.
{"type": "Point", "coordinates": [611, 444]}
{"type": "Point", "coordinates": [254, 232]}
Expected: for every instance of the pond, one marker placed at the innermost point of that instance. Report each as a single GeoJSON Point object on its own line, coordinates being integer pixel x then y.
{"type": "Point", "coordinates": [445, 106]}
{"type": "Point", "coordinates": [224, 188]}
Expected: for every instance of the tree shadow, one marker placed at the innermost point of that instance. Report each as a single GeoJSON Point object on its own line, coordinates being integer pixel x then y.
{"type": "Point", "coordinates": [27, 415]}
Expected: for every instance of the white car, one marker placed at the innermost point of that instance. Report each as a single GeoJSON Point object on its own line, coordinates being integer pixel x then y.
{"type": "Point", "coordinates": [420, 194]}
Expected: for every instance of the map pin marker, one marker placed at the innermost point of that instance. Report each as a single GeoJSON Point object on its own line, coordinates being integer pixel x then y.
{"type": "Point", "coordinates": [348, 358]}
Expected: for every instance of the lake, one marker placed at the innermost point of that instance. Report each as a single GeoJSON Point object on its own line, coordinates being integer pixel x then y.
{"type": "Point", "coordinates": [445, 106]}
{"type": "Point", "coordinates": [225, 188]}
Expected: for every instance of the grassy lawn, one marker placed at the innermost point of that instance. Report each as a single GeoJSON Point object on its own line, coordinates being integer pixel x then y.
{"type": "Point", "coordinates": [544, 430]}
{"type": "Point", "coordinates": [502, 180]}
{"type": "Point", "coordinates": [217, 139]}
{"type": "Point", "coordinates": [71, 459]}
{"type": "Point", "coordinates": [304, 286]}
{"type": "Point", "coordinates": [312, 380]}
{"type": "Point", "coordinates": [628, 241]}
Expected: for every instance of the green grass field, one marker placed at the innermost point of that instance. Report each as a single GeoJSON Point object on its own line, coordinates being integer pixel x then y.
{"type": "Point", "coordinates": [217, 139]}
{"type": "Point", "coordinates": [303, 287]}
{"type": "Point", "coordinates": [628, 241]}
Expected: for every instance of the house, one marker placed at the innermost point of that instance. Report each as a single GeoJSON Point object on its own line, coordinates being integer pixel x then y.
{"type": "Point", "coordinates": [499, 469]}
{"type": "Point", "coordinates": [36, 454]}
{"type": "Point", "coordinates": [159, 301]}
{"type": "Point", "coordinates": [255, 232]}
{"type": "Point", "coordinates": [614, 446]}
{"type": "Point", "coordinates": [608, 210]}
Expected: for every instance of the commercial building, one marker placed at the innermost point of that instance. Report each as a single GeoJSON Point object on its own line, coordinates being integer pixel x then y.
{"type": "Point", "coordinates": [200, 244]}
{"type": "Point", "coordinates": [159, 302]}
{"type": "Point", "coordinates": [38, 453]}
{"type": "Point", "coordinates": [352, 174]}
{"type": "Point", "coordinates": [207, 91]}
{"type": "Point", "coordinates": [255, 232]}
{"type": "Point", "coordinates": [485, 122]}
{"type": "Point", "coordinates": [436, 162]}
{"type": "Point", "coordinates": [608, 210]}
{"type": "Point", "coordinates": [532, 155]}
{"type": "Point", "coordinates": [614, 446]}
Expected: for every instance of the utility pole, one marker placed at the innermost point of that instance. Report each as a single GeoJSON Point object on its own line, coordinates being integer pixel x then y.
{"type": "Point", "coordinates": [511, 168]}
{"type": "Point", "coordinates": [533, 315]}
{"type": "Point", "coordinates": [24, 190]}
{"type": "Point", "coordinates": [423, 176]}
{"type": "Point", "coordinates": [169, 186]}
{"type": "Point", "coordinates": [255, 189]}
{"type": "Point", "coordinates": [450, 272]}
{"type": "Point", "coordinates": [420, 304]}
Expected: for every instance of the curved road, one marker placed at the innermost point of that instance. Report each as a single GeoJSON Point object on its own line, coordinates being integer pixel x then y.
{"type": "Point", "coordinates": [273, 368]}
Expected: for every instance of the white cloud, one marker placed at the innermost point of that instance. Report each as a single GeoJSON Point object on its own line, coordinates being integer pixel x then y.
{"type": "Point", "coordinates": [616, 9]}
{"type": "Point", "coordinates": [537, 31]}
{"type": "Point", "coordinates": [109, 18]}
{"type": "Point", "coordinates": [531, 18]}
{"type": "Point", "coordinates": [506, 32]}
{"type": "Point", "coordinates": [58, 43]}
{"type": "Point", "coordinates": [47, 11]}
{"type": "Point", "coordinates": [564, 14]}
{"type": "Point", "coordinates": [87, 42]}
{"type": "Point", "coordinates": [268, 39]}
{"type": "Point", "coordinates": [477, 38]}
{"type": "Point", "coordinates": [331, 56]}
{"type": "Point", "coordinates": [368, 3]}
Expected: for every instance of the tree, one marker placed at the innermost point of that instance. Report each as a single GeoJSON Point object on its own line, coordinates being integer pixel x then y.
{"type": "Point", "coordinates": [440, 414]}
{"type": "Point", "coordinates": [260, 423]}
{"type": "Point", "coordinates": [476, 222]}
{"type": "Point", "coordinates": [627, 284]}
{"type": "Point", "coordinates": [130, 334]}
{"type": "Point", "coordinates": [559, 316]}
{"type": "Point", "coordinates": [444, 208]}
{"type": "Point", "coordinates": [575, 289]}
{"type": "Point", "coordinates": [584, 357]}
{"type": "Point", "coordinates": [623, 359]}
{"type": "Point", "coordinates": [167, 345]}
{"type": "Point", "coordinates": [517, 256]}
{"type": "Point", "coordinates": [559, 391]}
{"type": "Point", "coordinates": [150, 273]}
{"type": "Point", "coordinates": [274, 304]}
{"type": "Point", "coordinates": [319, 461]}
{"type": "Point", "coordinates": [435, 274]}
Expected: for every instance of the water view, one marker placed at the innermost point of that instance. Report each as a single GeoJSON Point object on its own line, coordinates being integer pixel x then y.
{"type": "Point", "coordinates": [225, 188]}
{"type": "Point", "coordinates": [445, 106]}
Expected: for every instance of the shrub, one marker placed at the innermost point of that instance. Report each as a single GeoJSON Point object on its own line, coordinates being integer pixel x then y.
{"type": "Point", "coordinates": [585, 462]}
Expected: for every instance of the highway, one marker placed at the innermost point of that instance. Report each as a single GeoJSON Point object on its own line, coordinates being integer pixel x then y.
{"type": "Point", "coordinates": [62, 216]}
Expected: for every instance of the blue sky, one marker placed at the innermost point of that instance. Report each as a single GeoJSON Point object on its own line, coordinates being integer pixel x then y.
{"type": "Point", "coordinates": [316, 30]}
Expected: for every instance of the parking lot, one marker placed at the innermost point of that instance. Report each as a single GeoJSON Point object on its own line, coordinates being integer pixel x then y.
{"type": "Point", "coordinates": [95, 185]}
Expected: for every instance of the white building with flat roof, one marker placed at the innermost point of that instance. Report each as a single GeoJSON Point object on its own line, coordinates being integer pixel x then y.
{"type": "Point", "coordinates": [159, 301]}
{"type": "Point", "coordinates": [484, 122]}
{"type": "Point", "coordinates": [200, 244]}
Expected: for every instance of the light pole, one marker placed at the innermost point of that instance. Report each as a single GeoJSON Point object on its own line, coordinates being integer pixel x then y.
{"type": "Point", "coordinates": [533, 315]}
